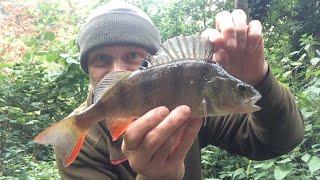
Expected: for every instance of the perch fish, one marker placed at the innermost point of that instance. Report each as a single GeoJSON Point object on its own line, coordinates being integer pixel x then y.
{"type": "Point", "coordinates": [181, 73]}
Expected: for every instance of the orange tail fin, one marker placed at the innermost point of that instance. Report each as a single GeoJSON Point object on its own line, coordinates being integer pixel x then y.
{"type": "Point", "coordinates": [118, 126]}
{"type": "Point", "coordinates": [66, 137]}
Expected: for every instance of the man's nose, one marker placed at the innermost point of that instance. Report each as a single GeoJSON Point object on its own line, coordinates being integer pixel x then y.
{"type": "Point", "coordinates": [118, 65]}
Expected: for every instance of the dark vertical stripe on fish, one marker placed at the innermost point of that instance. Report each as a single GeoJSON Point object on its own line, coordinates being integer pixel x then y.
{"type": "Point", "coordinates": [145, 88]}
{"type": "Point", "coordinates": [176, 85]}
{"type": "Point", "coordinates": [124, 97]}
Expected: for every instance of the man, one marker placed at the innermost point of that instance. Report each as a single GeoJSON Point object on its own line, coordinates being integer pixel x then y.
{"type": "Point", "coordinates": [166, 145]}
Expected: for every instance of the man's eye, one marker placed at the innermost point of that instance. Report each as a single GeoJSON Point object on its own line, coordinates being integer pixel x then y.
{"type": "Point", "coordinates": [132, 56]}
{"type": "Point", "coordinates": [103, 58]}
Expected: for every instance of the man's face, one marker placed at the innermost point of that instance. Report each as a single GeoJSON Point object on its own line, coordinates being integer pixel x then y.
{"type": "Point", "coordinates": [113, 58]}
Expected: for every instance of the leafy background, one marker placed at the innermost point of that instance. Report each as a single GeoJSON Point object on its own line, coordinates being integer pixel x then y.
{"type": "Point", "coordinates": [41, 82]}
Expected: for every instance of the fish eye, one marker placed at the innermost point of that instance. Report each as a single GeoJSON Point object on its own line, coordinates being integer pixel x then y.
{"type": "Point", "coordinates": [241, 87]}
{"type": "Point", "coordinates": [144, 64]}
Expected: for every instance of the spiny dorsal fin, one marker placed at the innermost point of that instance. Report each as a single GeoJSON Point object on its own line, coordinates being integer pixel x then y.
{"type": "Point", "coordinates": [180, 48]}
{"type": "Point", "coordinates": [108, 81]}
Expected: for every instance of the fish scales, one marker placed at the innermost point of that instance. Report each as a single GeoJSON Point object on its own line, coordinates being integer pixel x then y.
{"type": "Point", "coordinates": [170, 86]}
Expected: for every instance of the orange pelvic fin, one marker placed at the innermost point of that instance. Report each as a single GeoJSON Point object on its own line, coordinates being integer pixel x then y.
{"type": "Point", "coordinates": [118, 126]}
{"type": "Point", "coordinates": [118, 161]}
{"type": "Point", "coordinates": [66, 137]}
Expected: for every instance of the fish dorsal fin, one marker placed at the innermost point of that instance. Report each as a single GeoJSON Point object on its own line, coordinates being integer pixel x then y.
{"type": "Point", "coordinates": [180, 48]}
{"type": "Point", "coordinates": [108, 81]}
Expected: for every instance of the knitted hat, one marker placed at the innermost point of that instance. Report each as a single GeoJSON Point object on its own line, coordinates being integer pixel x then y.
{"type": "Point", "coordinates": [117, 23]}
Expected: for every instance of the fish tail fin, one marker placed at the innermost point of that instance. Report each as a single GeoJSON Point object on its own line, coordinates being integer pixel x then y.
{"type": "Point", "coordinates": [117, 126]}
{"type": "Point", "coordinates": [66, 137]}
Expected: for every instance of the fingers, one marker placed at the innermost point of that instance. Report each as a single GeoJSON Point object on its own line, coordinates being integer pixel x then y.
{"type": "Point", "coordinates": [224, 24]}
{"type": "Point", "coordinates": [157, 137]}
{"type": "Point", "coordinates": [153, 137]}
{"type": "Point", "coordinates": [254, 36]}
{"type": "Point", "coordinates": [214, 36]}
{"type": "Point", "coordinates": [240, 22]}
{"type": "Point", "coordinates": [186, 141]}
{"type": "Point", "coordinates": [233, 27]}
{"type": "Point", "coordinates": [221, 57]}
{"type": "Point", "coordinates": [163, 152]}
{"type": "Point", "coordinates": [139, 128]}
{"type": "Point", "coordinates": [240, 51]}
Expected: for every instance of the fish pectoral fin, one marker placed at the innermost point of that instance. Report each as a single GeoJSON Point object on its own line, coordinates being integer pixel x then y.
{"type": "Point", "coordinates": [117, 126]}
{"type": "Point", "coordinates": [66, 137]}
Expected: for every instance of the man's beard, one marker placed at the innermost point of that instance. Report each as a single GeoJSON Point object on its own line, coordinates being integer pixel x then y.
{"type": "Point", "coordinates": [92, 84]}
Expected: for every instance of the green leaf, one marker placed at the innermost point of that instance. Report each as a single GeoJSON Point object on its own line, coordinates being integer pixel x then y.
{"type": "Point", "coordinates": [32, 122]}
{"type": "Point", "coordinates": [314, 61]}
{"type": "Point", "coordinates": [238, 172]}
{"type": "Point", "coordinates": [314, 164]}
{"type": "Point", "coordinates": [284, 161]}
{"type": "Point", "coordinates": [49, 36]}
{"type": "Point", "coordinates": [71, 60]}
{"type": "Point", "coordinates": [296, 63]}
{"type": "Point", "coordinates": [282, 171]}
{"type": "Point", "coordinates": [307, 113]}
{"type": "Point", "coordinates": [264, 165]}
{"type": "Point", "coordinates": [286, 74]}
{"type": "Point", "coordinates": [52, 57]}
{"type": "Point", "coordinates": [294, 53]}
{"type": "Point", "coordinates": [64, 55]}
{"type": "Point", "coordinates": [260, 175]}
{"type": "Point", "coordinates": [305, 157]}
{"type": "Point", "coordinates": [315, 145]}
{"type": "Point", "coordinates": [307, 47]}
{"type": "Point", "coordinates": [26, 56]}
{"type": "Point", "coordinates": [308, 127]}
{"type": "Point", "coordinates": [302, 57]}
{"type": "Point", "coordinates": [317, 73]}
{"type": "Point", "coordinates": [313, 89]}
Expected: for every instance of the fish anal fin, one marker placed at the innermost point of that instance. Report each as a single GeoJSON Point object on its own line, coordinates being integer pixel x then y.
{"type": "Point", "coordinates": [66, 137]}
{"type": "Point", "coordinates": [118, 161]}
{"type": "Point", "coordinates": [117, 126]}
{"type": "Point", "coordinates": [75, 150]}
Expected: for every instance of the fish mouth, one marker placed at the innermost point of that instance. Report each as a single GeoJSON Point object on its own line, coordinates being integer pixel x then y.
{"type": "Point", "coordinates": [254, 99]}
{"type": "Point", "coordinates": [250, 103]}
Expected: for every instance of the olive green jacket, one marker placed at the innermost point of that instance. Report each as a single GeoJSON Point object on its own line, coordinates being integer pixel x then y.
{"type": "Point", "coordinates": [273, 131]}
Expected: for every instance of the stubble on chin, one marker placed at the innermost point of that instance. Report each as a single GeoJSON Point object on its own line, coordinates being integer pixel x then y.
{"type": "Point", "coordinates": [92, 83]}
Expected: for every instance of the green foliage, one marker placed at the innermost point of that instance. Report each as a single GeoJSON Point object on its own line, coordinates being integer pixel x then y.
{"type": "Point", "coordinates": [183, 17]}
{"type": "Point", "coordinates": [36, 91]}
{"type": "Point", "coordinates": [32, 99]}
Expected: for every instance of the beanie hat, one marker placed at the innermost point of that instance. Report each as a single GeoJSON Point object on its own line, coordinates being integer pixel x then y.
{"type": "Point", "coordinates": [117, 23]}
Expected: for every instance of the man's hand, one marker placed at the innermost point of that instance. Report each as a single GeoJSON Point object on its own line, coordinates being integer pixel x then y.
{"type": "Point", "coordinates": [239, 46]}
{"type": "Point", "coordinates": [156, 144]}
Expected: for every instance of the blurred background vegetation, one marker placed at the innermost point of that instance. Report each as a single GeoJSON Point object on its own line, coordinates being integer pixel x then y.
{"type": "Point", "coordinates": [41, 82]}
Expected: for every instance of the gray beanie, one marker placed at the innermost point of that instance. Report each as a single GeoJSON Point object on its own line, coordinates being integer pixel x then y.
{"type": "Point", "coordinates": [117, 24]}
